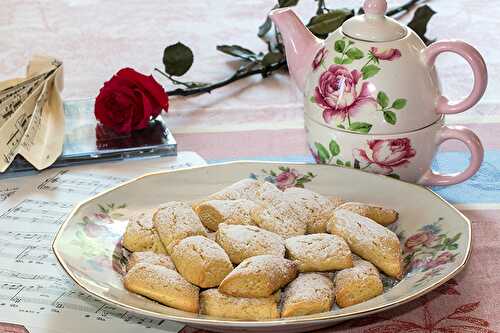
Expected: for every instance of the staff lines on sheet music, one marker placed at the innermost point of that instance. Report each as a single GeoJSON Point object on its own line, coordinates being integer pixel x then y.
{"type": "Point", "coordinates": [79, 183]}
{"type": "Point", "coordinates": [6, 192]}
{"type": "Point", "coordinates": [37, 211]}
{"type": "Point", "coordinates": [15, 99]}
{"type": "Point", "coordinates": [36, 119]}
{"type": "Point", "coordinates": [39, 236]}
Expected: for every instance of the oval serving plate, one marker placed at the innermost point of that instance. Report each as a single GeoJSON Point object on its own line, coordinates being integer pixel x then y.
{"type": "Point", "coordinates": [436, 237]}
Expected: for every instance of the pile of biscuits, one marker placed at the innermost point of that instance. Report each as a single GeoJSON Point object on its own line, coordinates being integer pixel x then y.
{"type": "Point", "coordinates": [254, 252]}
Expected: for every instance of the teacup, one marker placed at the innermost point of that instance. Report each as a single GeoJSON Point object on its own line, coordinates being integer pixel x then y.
{"type": "Point", "coordinates": [406, 156]}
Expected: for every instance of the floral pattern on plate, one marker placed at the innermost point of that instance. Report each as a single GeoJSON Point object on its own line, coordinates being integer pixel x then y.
{"type": "Point", "coordinates": [285, 177]}
{"type": "Point", "coordinates": [429, 250]}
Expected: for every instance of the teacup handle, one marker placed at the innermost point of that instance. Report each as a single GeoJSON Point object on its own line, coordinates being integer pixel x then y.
{"type": "Point", "coordinates": [475, 60]}
{"type": "Point", "coordinates": [476, 150]}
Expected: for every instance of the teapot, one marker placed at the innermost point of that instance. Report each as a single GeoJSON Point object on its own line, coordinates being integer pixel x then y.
{"type": "Point", "coordinates": [372, 97]}
{"type": "Point", "coordinates": [373, 75]}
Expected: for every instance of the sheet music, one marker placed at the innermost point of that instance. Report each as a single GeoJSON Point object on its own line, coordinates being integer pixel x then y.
{"type": "Point", "coordinates": [30, 110]}
{"type": "Point", "coordinates": [34, 291]}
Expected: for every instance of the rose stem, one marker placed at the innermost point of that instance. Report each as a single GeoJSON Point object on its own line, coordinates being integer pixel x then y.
{"type": "Point", "coordinates": [171, 78]}
{"type": "Point", "coordinates": [263, 71]}
{"type": "Point", "coordinates": [403, 8]}
{"type": "Point", "coordinates": [235, 77]}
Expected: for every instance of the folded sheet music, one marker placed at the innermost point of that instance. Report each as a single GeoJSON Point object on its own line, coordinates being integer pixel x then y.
{"type": "Point", "coordinates": [31, 115]}
{"type": "Point", "coordinates": [34, 291]}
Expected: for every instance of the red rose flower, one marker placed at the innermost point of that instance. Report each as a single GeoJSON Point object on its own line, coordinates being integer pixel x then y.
{"type": "Point", "coordinates": [422, 238]}
{"type": "Point", "coordinates": [129, 101]}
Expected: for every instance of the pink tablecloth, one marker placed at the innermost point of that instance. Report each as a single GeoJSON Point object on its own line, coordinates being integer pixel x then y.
{"type": "Point", "coordinates": [263, 119]}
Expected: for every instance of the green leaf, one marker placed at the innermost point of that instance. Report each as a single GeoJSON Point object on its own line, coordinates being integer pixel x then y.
{"type": "Point", "coordinates": [271, 58]}
{"type": "Point", "coordinates": [338, 60]}
{"type": "Point", "coordinates": [420, 20]}
{"type": "Point", "coordinates": [456, 237]}
{"type": "Point", "coordinates": [399, 104]}
{"type": "Point", "coordinates": [340, 163]}
{"type": "Point", "coordinates": [237, 51]}
{"type": "Point", "coordinates": [360, 127]}
{"type": "Point", "coordinates": [287, 3]}
{"type": "Point", "coordinates": [341, 126]}
{"type": "Point", "coordinates": [312, 99]}
{"type": "Point", "coordinates": [355, 53]}
{"type": "Point", "coordinates": [334, 148]}
{"type": "Point", "coordinates": [323, 153]}
{"type": "Point", "coordinates": [393, 175]}
{"type": "Point", "coordinates": [369, 71]}
{"type": "Point", "coordinates": [329, 22]}
{"type": "Point", "coordinates": [340, 45]}
{"type": "Point", "coordinates": [177, 59]}
{"type": "Point", "coordinates": [383, 99]}
{"type": "Point", "coordinates": [347, 61]}
{"type": "Point", "coordinates": [347, 164]}
{"type": "Point", "coordinates": [390, 117]}
{"type": "Point", "coordinates": [265, 27]}
{"type": "Point", "coordinates": [452, 246]}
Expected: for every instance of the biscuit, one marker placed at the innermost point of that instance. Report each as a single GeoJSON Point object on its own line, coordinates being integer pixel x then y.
{"type": "Point", "coordinates": [309, 293]}
{"type": "Point", "coordinates": [151, 258]}
{"type": "Point", "coordinates": [369, 240]}
{"type": "Point", "coordinates": [249, 189]}
{"type": "Point", "coordinates": [214, 212]}
{"type": "Point", "coordinates": [176, 220]}
{"type": "Point", "coordinates": [316, 209]}
{"type": "Point", "coordinates": [243, 241]}
{"type": "Point", "coordinates": [358, 284]}
{"type": "Point", "coordinates": [381, 215]}
{"type": "Point", "coordinates": [201, 261]}
{"type": "Point", "coordinates": [163, 285]}
{"type": "Point", "coordinates": [278, 216]}
{"type": "Point", "coordinates": [140, 235]}
{"type": "Point", "coordinates": [319, 252]}
{"type": "Point", "coordinates": [259, 276]}
{"type": "Point", "coordinates": [215, 303]}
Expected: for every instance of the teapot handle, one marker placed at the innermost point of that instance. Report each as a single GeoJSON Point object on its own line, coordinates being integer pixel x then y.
{"type": "Point", "coordinates": [475, 60]}
{"type": "Point", "coordinates": [460, 133]}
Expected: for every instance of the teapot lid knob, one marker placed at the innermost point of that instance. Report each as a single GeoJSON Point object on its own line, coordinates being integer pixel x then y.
{"type": "Point", "coordinates": [374, 26]}
{"type": "Point", "coordinates": [375, 7]}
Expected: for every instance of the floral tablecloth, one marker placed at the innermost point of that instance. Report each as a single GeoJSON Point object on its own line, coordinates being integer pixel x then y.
{"type": "Point", "coordinates": [256, 119]}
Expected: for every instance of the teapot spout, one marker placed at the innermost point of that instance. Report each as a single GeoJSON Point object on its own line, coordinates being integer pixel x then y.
{"type": "Point", "coordinates": [301, 45]}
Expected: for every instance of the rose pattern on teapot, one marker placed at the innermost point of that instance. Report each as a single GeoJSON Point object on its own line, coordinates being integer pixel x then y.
{"type": "Point", "coordinates": [343, 87]}
{"type": "Point", "coordinates": [383, 157]}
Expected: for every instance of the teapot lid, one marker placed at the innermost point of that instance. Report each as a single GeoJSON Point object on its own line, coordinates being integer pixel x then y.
{"type": "Point", "coordinates": [374, 26]}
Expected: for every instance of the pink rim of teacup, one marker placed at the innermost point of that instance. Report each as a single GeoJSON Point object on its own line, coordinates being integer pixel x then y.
{"type": "Point", "coordinates": [407, 156]}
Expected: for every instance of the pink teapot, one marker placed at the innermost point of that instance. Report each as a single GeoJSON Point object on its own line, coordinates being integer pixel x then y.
{"type": "Point", "coordinates": [373, 84]}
